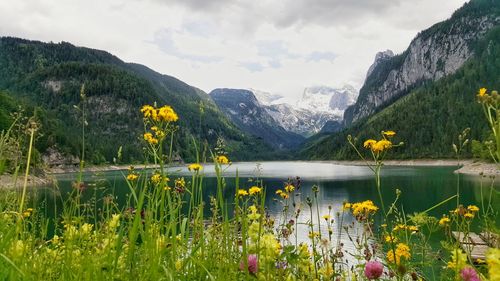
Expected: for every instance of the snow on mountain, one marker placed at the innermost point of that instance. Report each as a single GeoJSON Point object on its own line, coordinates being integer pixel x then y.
{"type": "Point", "coordinates": [312, 111]}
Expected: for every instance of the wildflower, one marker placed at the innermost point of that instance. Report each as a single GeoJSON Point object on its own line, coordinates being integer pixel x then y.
{"type": "Point", "coordinates": [391, 239]}
{"type": "Point", "coordinates": [26, 214]}
{"type": "Point", "coordinates": [150, 139]}
{"type": "Point", "coordinates": [156, 178]}
{"type": "Point", "coordinates": [147, 110]}
{"type": "Point", "coordinates": [242, 192]}
{"type": "Point", "coordinates": [254, 190]}
{"type": "Point", "coordinates": [327, 217]}
{"type": "Point", "coordinates": [493, 261]}
{"type": "Point", "coordinates": [469, 274]}
{"type": "Point", "coordinates": [373, 270]}
{"type": "Point", "coordinates": [195, 167]}
{"type": "Point", "coordinates": [313, 234]}
{"type": "Point", "coordinates": [482, 92]}
{"type": "Point", "coordinates": [167, 113]}
{"type": "Point", "coordinates": [473, 208]}
{"type": "Point", "coordinates": [346, 206]}
{"type": "Point", "coordinates": [389, 133]}
{"type": "Point", "coordinates": [469, 215]}
{"type": "Point", "coordinates": [221, 159]}
{"type": "Point", "coordinates": [154, 129]}
{"type": "Point", "coordinates": [180, 185]}
{"type": "Point", "coordinates": [281, 193]}
{"type": "Point", "coordinates": [252, 263]}
{"type": "Point", "coordinates": [254, 215]}
{"type": "Point", "coordinates": [458, 260]}
{"type": "Point", "coordinates": [381, 145]}
{"type": "Point", "coordinates": [364, 208]}
{"type": "Point", "coordinates": [114, 222]}
{"type": "Point", "coordinates": [444, 221]}
{"type": "Point", "coordinates": [368, 143]}
{"type": "Point", "coordinates": [289, 188]}
{"type": "Point", "coordinates": [132, 177]}
{"type": "Point", "coordinates": [402, 251]}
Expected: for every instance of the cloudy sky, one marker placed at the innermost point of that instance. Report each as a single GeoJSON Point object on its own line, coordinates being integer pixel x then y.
{"type": "Point", "coordinates": [279, 46]}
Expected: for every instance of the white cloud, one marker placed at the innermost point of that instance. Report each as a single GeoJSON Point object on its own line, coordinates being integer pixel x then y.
{"type": "Point", "coordinates": [276, 46]}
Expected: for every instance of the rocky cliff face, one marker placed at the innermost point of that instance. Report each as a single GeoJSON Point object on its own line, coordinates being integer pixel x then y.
{"type": "Point", "coordinates": [243, 108]}
{"type": "Point", "coordinates": [380, 57]}
{"type": "Point", "coordinates": [434, 53]}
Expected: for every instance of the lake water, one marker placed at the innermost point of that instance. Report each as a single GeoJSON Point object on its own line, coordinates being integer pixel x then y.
{"type": "Point", "coordinates": [422, 187]}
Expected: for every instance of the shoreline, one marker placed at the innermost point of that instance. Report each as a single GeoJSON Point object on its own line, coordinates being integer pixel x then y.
{"type": "Point", "coordinates": [467, 167]}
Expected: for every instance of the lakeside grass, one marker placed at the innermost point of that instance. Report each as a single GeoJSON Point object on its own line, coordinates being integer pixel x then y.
{"type": "Point", "coordinates": [164, 232]}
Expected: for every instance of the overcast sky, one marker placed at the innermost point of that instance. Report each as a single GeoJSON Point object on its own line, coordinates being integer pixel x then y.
{"type": "Point", "coordinates": [271, 45]}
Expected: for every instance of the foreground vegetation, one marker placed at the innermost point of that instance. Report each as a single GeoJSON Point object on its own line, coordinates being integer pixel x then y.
{"type": "Point", "coordinates": [167, 231]}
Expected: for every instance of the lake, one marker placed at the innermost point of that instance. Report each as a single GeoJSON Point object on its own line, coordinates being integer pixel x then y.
{"type": "Point", "coordinates": [422, 187]}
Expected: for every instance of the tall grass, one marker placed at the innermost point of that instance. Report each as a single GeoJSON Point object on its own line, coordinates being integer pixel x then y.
{"type": "Point", "coordinates": [167, 231]}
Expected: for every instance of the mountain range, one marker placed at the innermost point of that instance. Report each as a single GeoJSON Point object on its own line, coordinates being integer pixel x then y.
{"type": "Point", "coordinates": [426, 94]}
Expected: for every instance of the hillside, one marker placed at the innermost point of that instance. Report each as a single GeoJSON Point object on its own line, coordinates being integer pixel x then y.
{"type": "Point", "coordinates": [46, 78]}
{"type": "Point", "coordinates": [431, 111]}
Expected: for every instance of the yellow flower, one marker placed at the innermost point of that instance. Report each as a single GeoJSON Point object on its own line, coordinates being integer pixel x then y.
{"type": "Point", "coordinates": [482, 92]}
{"type": "Point", "coordinates": [346, 206]}
{"type": "Point", "coordinates": [284, 195]}
{"type": "Point", "coordinates": [150, 139]}
{"type": "Point", "coordinates": [444, 221]}
{"type": "Point", "coordinates": [279, 191]}
{"type": "Point", "coordinates": [147, 110]}
{"type": "Point", "coordinates": [493, 261]}
{"type": "Point", "coordinates": [132, 177]}
{"type": "Point", "coordinates": [469, 215]}
{"type": "Point", "coordinates": [154, 128]}
{"type": "Point", "coordinates": [473, 208]}
{"type": "Point", "coordinates": [289, 188]}
{"type": "Point", "coordinates": [242, 192]}
{"type": "Point", "coordinates": [389, 133]}
{"type": "Point", "coordinates": [195, 167]}
{"type": "Point", "coordinates": [254, 190]}
{"type": "Point", "coordinates": [313, 234]}
{"type": "Point", "coordinates": [221, 159]}
{"type": "Point", "coordinates": [381, 145]}
{"type": "Point", "coordinates": [180, 183]}
{"type": "Point", "coordinates": [156, 178]}
{"type": "Point", "coordinates": [391, 239]}
{"type": "Point", "coordinates": [167, 113]}
{"type": "Point", "coordinates": [327, 217]}
{"type": "Point", "coordinates": [402, 251]}
{"type": "Point", "coordinates": [254, 215]}
{"type": "Point", "coordinates": [363, 208]}
{"type": "Point", "coordinates": [26, 214]}
{"type": "Point", "coordinates": [369, 143]}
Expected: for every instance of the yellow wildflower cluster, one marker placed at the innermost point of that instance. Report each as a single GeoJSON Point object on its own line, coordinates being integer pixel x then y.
{"type": "Point", "coordinates": [251, 191]}
{"type": "Point", "coordinates": [150, 138]}
{"type": "Point", "coordinates": [195, 167]}
{"type": "Point", "coordinates": [402, 251]}
{"type": "Point", "coordinates": [254, 190]}
{"type": "Point", "coordinates": [254, 213]}
{"type": "Point", "coordinates": [285, 194]}
{"type": "Point", "coordinates": [28, 212]}
{"type": "Point", "coordinates": [132, 177]}
{"type": "Point", "coordinates": [221, 159]}
{"type": "Point", "coordinates": [412, 228]}
{"type": "Point", "coordinates": [377, 146]}
{"type": "Point", "coordinates": [164, 113]}
{"type": "Point", "coordinates": [362, 209]}
{"type": "Point", "coordinates": [444, 221]}
{"type": "Point", "coordinates": [468, 212]}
